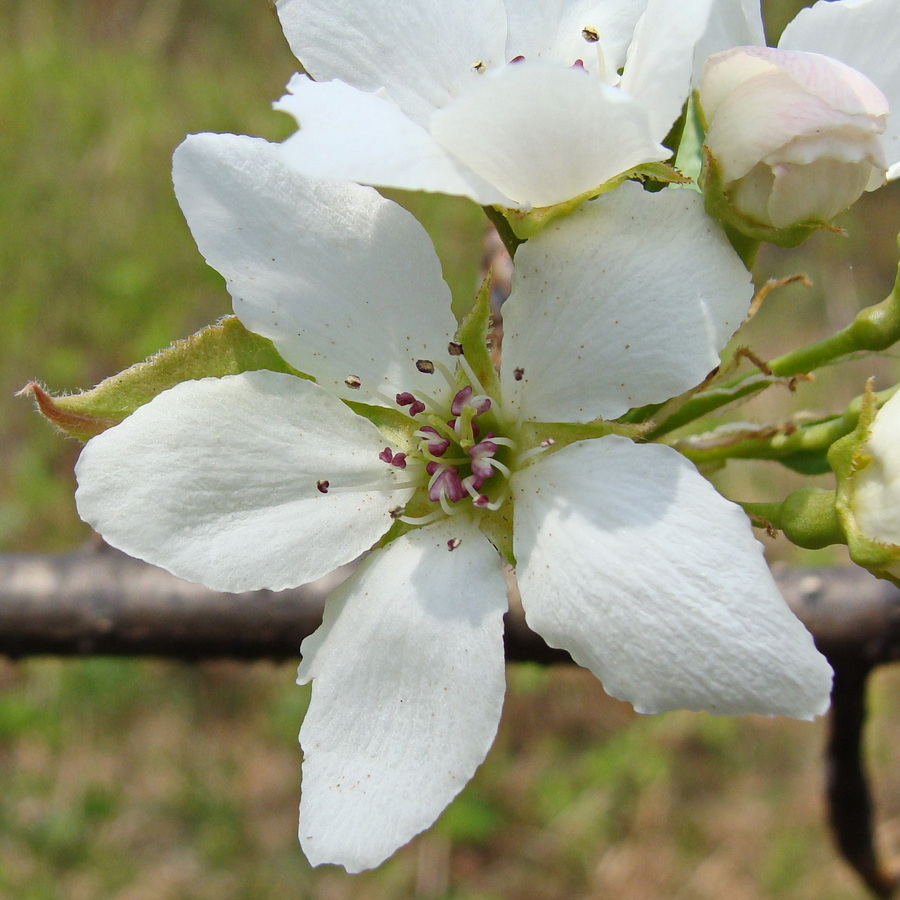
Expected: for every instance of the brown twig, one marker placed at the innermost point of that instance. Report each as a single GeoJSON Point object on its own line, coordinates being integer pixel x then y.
{"type": "Point", "coordinates": [101, 602]}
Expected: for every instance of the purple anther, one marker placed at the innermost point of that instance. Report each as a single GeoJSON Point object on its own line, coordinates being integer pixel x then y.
{"type": "Point", "coordinates": [407, 399]}
{"type": "Point", "coordinates": [448, 484]}
{"type": "Point", "coordinates": [517, 59]}
{"type": "Point", "coordinates": [578, 64]}
{"type": "Point", "coordinates": [472, 481]}
{"type": "Point", "coordinates": [386, 455]}
{"type": "Point", "coordinates": [437, 445]}
{"type": "Point", "coordinates": [481, 455]}
{"type": "Point", "coordinates": [481, 501]}
{"type": "Point", "coordinates": [463, 398]}
{"type": "Point", "coordinates": [459, 401]}
{"type": "Point", "coordinates": [399, 460]}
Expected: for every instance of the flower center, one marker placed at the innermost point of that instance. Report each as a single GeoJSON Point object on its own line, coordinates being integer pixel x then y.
{"type": "Point", "coordinates": [459, 459]}
{"type": "Point", "coordinates": [458, 453]}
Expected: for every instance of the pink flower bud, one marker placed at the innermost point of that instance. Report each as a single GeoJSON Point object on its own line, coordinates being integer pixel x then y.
{"type": "Point", "coordinates": [794, 137]}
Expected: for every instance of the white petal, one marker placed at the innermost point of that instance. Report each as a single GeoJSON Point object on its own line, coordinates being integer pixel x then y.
{"type": "Point", "coordinates": [732, 23]}
{"type": "Point", "coordinates": [348, 135]}
{"type": "Point", "coordinates": [408, 685]}
{"type": "Point", "coordinates": [421, 51]}
{"type": "Point", "coordinates": [627, 301]}
{"type": "Point", "coordinates": [661, 59]}
{"type": "Point", "coordinates": [864, 34]}
{"type": "Point", "coordinates": [816, 191]}
{"type": "Point", "coordinates": [342, 280]}
{"type": "Point", "coordinates": [632, 562]}
{"type": "Point", "coordinates": [216, 481]}
{"type": "Point", "coordinates": [541, 132]}
{"type": "Point", "coordinates": [552, 30]}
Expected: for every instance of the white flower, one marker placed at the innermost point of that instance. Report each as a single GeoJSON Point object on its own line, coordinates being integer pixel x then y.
{"type": "Point", "coordinates": [626, 556]}
{"type": "Point", "coordinates": [511, 103]}
{"type": "Point", "coordinates": [871, 491]}
{"type": "Point", "coordinates": [797, 133]}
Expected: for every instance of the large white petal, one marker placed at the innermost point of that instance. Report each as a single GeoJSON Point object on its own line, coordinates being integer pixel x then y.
{"type": "Point", "coordinates": [216, 481]}
{"type": "Point", "coordinates": [408, 681]}
{"type": "Point", "coordinates": [626, 301]}
{"type": "Point", "coordinates": [864, 34]}
{"type": "Point", "coordinates": [632, 562]}
{"type": "Point", "coordinates": [342, 280]}
{"type": "Point", "coordinates": [553, 29]}
{"type": "Point", "coordinates": [422, 52]}
{"type": "Point", "coordinates": [348, 135]}
{"type": "Point", "coordinates": [544, 133]}
{"type": "Point", "coordinates": [660, 60]}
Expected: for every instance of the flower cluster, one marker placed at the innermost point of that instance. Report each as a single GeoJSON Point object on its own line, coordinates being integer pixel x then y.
{"type": "Point", "coordinates": [392, 430]}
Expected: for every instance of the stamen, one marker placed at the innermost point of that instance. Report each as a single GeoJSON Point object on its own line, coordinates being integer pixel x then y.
{"type": "Point", "coordinates": [353, 381]}
{"type": "Point", "coordinates": [543, 447]}
{"type": "Point", "coordinates": [454, 348]}
{"type": "Point", "coordinates": [448, 375]}
{"type": "Point", "coordinates": [322, 486]}
{"type": "Point", "coordinates": [453, 543]}
{"type": "Point", "coordinates": [375, 488]}
{"type": "Point", "coordinates": [435, 444]}
{"type": "Point", "coordinates": [407, 399]}
{"type": "Point", "coordinates": [425, 366]}
{"type": "Point", "coordinates": [420, 520]}
{"type": "Point", "coordinates": [473, 378]}
{"type": "Point", "coordinates": [496, 504]}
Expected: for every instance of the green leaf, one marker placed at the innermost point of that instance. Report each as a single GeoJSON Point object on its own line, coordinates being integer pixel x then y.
{"type": "Point", "coordinates": [225, 348]}
{"type": "Point", "coordinates": [472, 335]}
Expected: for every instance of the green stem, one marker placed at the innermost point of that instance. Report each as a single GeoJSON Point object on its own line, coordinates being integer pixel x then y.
{"type": "Point", "coordinates": [818, 436]}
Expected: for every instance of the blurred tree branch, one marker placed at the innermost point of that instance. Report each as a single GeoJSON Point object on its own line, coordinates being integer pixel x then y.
{"type": "Point", "coordinates": [101, 602]}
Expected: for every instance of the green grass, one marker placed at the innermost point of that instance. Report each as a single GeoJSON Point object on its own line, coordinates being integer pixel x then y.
{"type": "Point", "coordinates": [133, 780]}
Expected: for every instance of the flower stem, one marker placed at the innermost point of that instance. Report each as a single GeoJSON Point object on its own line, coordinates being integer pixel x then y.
{"type": "Point", "coordinates": [783, 442]}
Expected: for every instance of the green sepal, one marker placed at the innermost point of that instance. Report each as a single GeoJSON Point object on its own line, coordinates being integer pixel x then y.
{"type": "Point", "coordinates": [718, 205]}
{"type": "Point", "coordinates": [689, 158]}
{"type": "Point", "coordinates": [472, 335]}
{"type": "Point", "coordinates": [396, 426]}
{"type": "Point", "coordinates": [225, 348]}
{"type": "Point", "coordinates": [848, 458]}
{"type": "Point", "coordinates": [526, 224]}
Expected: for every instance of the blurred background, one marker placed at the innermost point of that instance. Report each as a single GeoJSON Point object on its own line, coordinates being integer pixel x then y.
{"type": "Point", "coordinates": [134, 779]}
